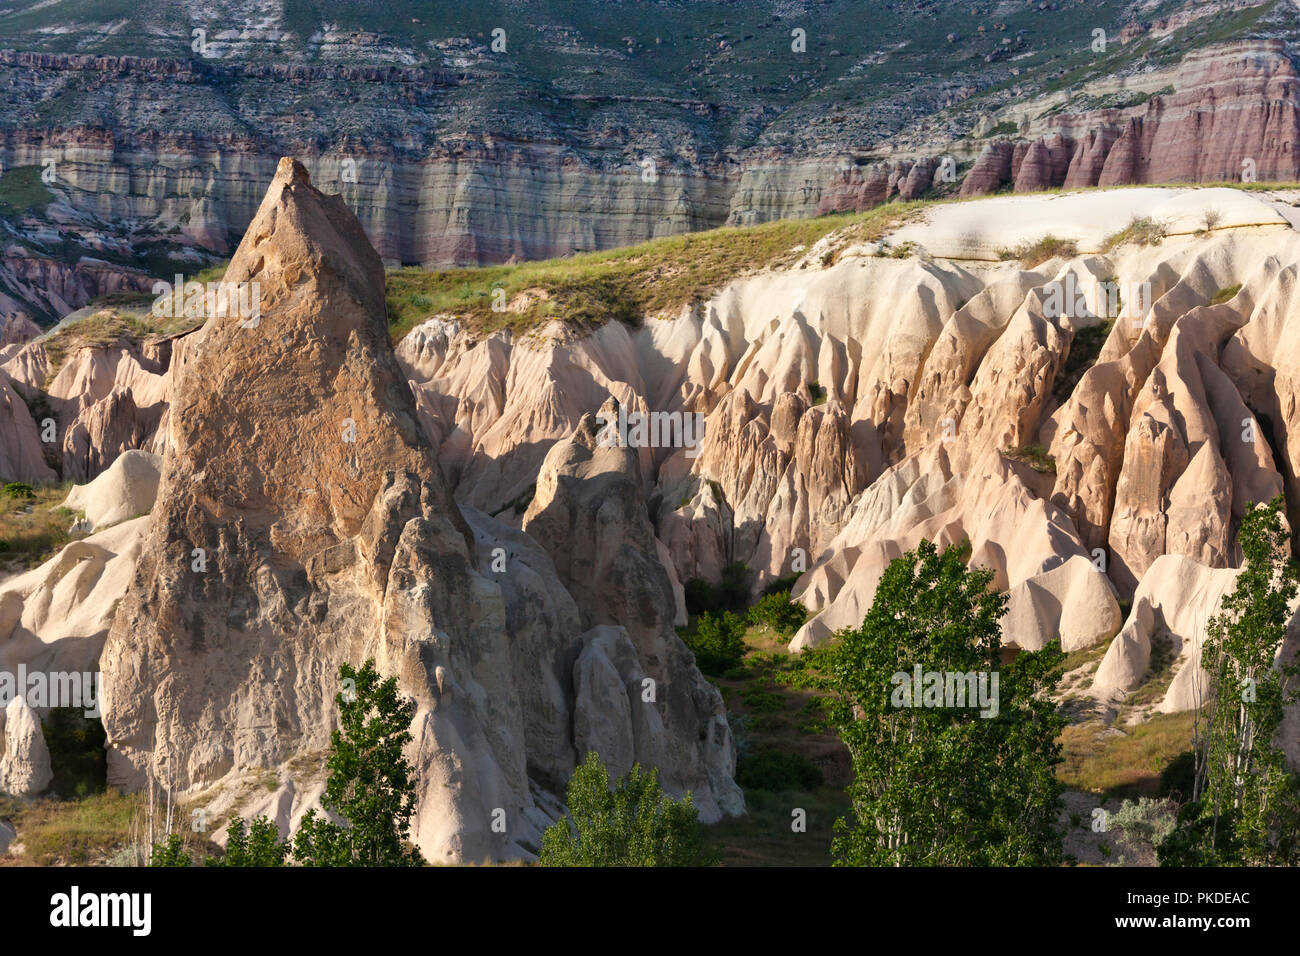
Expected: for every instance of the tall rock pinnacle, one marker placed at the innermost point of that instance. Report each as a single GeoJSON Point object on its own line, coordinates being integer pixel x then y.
{"type": "Point", "coordinates": [302, 523]}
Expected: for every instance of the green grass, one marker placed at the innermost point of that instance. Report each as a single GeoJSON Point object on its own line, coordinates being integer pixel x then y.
{"type": "Point", "coordinates": [107, 327]}
{"type": "Point", "coordinates": [1035, 456]}
{"type": "Point", "coordinates": [1035, 252]}
{"type": "Point", "coordinates": [1140, 231]}
{"type": "Point", "coordinates": [652, 279]}
{"type": "Point", "coordinates": [764, 836]}
{"type": "Point", "coordinates": [1225, 295]}
{"type": "Point", "coordinates": [71, 832]}
{"type": "Point", "coordinates": [22, 192]}
{"type": "Point", "coordinates": [1123, 762]}
{"type": "Point", "coordinates": [788, 758]}
{"type": "Point", "coordinates": [33, 530]}
{"type": "Point", "coordinates": [1086, 655]}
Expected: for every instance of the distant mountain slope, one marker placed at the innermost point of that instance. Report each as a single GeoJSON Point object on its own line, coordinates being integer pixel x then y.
{"type": "Point", "coordinates": [597, 125]}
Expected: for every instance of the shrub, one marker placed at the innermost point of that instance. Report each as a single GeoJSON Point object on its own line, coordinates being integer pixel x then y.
{"type": "Point", "coordinates": [1035, 253]}
{"type": "Point", "coordinates": [1141, 230]}
{"type": "Point", "coordinates": [1035, 456]}
{"type": "Point", "coordinates": [1145, 824]}
{"type": "Point", "coordinates": [718, 642]}
{"type": "Point", "coordinates": [760, 700]}
{"type": "Point", "coordinates": [77, 757]}
{"type": "Point", "coordinates": [256, 846]}
{"type": "Point", "coordinates": [732, 592]}
{"type": "Point", "coordinates": [170, 853]}
{"type": "Point", "coordinates": [779, 613]}
{"type": "Point", "coordinates": [778, 771]}
{"type": "Point", "coordinates": [781, 584]}
{"type": "Point", "coordinates": [635, 824]}
{"type": "Point", "coordinates": [19, 489]}
{"type": "Point", "coordinates": [699, 596]}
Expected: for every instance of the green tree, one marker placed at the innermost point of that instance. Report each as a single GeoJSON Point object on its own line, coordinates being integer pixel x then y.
{"type": "Point", "coordinates": [171, 852]}
{"type": "Point", "coordinates": [1245, 806]}
{"type": "Point", "coordinates": [635, 824]}
{"type": "Point", "coordinates": [718, 642]}
{"type": "Point", "coordinates": [936, 784]}
{"type": "Point", "coordinates": [778, 612]}
{"type": "Point", "coordinates": [258, 845]}
{"type": "Point", "coordinates": [370, 783]}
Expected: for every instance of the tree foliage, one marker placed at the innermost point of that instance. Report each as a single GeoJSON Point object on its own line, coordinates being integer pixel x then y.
{"type": "Point", "coordinates": [370, 788]}
{"type": "Point", "coordinates": [1245, 806]}
{"type": "Point", "coordinates": [171, 852]}
{"type": "Point", "coordinates": [369, 782]}
{"type": "Point", "coordinates": [634, 824]}
{"type": "Point", "coordinates": [258, 845]}
{"type": "Point", "coordinates": [778, 612]}
{"type": "Point", "coordinates": [945, 785]}
{"type": "Point", "coordinates": [718, 642]}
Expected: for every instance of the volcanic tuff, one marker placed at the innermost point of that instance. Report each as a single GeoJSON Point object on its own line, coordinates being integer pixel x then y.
{"type": "Point", "coordinates": [1093, 456]}
{"type": "Point", "coordinates": [302, 521]}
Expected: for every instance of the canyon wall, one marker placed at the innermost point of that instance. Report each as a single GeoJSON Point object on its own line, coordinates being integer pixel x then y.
{"type": "Point", "coordinates": [437, 197]}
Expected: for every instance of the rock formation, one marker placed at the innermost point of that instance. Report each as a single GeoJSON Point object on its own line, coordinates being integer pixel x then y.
{"type": "Point", "coordinates": [24, 758]}
{"type": "Point", "coordinates": [302, 522]}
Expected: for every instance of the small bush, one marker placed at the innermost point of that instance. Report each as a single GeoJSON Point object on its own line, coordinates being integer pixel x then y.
{"type": "Point", "coordinates": [77, 756]}
{"type": "Point", "coordinates": [1225, 295]}
{"type": "Point", "coordinates": [19, 489]}
{"type": "Point", "coordinates": [1037, 252]}
{"type": "Point", "coordinates": [781, 584]}
{"type": "Point", "coordinates": [1145, 825]}
{"type": "Point", "coordinates": [732, 592]}
{"type": "Point", "coordinates": [760, 700]}
{"type": "Point", "coordinates": [170, 853]}
{"type": "Point", "coordinates": [699, 596]}
{"type": "Point", "coordinates": [777, 771]}
{"type": "Point", "coordinates": [718, 642]}
{"type": "Point", "coordinates": [1141, 231]}
{"type": "Point", "coordinates": [256, 846]}
{"type": "Point", "coordinates": [1035, 456]}
{"type": "Point", "coordinates": [779, 613]}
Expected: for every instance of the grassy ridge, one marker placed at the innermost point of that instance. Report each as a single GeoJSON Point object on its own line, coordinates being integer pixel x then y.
{"type": "Point", "coordinates": [652, 278]}
{"type": "Point", "coordinates": [22, 192]}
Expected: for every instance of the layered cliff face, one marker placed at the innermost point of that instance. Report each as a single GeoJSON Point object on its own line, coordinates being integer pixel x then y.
{"type": "Point", "coordinates": [302, 522]}
{"type": "Point", "coordinates": [1233, 115]}
{"type": "Point", "coordinates": [472, 159]}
